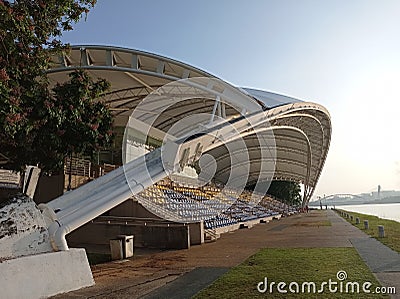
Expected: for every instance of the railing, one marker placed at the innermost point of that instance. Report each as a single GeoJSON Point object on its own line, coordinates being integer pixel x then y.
{"type": "Point", "coordinates": [106, 168]}
{"type": "Point", "coordinates": [82, 171]}
{"type": "Point", "coordinates": [210, 235]}
{"type": "Point", "coordinates": [134, 221]}
{"type": "Point", "coordinates": [80, 167]}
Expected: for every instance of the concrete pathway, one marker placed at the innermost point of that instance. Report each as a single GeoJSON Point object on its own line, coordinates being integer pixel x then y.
{"type": "Point", "coordinates": [377, 256]}
{"type": "Point", "coordinates": [164, 273]}
{"type": "Point", "coordinates": [188, 284]}
{"type": "Point", "coordinates": [383, 262]}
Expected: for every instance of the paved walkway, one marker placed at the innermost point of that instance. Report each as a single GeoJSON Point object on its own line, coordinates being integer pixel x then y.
{"type": "Point", "coordinates": [188, 284]}
{"type": "Point", "coordinates": [155, 275]}
{"type": "Point", "coordinates": [377, 256]}
{"type": "Point", "coordinates": [381, 260]}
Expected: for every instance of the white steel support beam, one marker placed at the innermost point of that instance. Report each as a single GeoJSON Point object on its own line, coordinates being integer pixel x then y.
{"type": "Point", "coordinates": [217, 101]}
{"type": "Point", "coordinates": [84, 57]}
{"type": "Point", "coordinates": [135, 62]}
{"type": "Point", "coordinates": [140, 81]}
{"type": "Point", "coordinates": [223, 110]}
{"type": "Point", "coordinates": [161, 67]}
{"type": "Point", "coordinates": [109, 58]}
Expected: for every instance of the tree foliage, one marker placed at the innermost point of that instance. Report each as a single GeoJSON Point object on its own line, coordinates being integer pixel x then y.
{"type": "Point", "coordinates": [287, 191]}
{"type": "Point", "coordinates": [39, 125]}
{"type": "Point", "coordinates": [76, 122]}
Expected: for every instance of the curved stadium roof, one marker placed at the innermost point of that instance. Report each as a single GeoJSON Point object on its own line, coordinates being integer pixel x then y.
{"type": "Point", "coordinates": [302, 130]}
{"type": "Point", "coordinates": [269, 99]}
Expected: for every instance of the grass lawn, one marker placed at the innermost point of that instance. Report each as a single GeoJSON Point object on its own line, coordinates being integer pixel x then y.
{"type": "Point", "coordinates": [298, 265]}
{"type": "Point", "coordinates": [392, 229]}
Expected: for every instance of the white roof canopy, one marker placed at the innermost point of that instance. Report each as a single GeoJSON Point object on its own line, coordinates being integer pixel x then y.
{"type": "Point", "coordinates": [302, 130]}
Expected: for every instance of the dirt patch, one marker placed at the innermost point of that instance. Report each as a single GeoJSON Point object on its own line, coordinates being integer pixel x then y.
{"type": "Point", "coordinates": [162, 262]}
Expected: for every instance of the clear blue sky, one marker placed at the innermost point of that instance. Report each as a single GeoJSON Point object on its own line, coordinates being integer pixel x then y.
{"type": "Point", "coordinates": [344, 55]}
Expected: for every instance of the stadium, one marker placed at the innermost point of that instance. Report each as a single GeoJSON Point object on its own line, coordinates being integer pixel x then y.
{"type": "Point", "coordinates": [197, 154]}
{"type": "Point", "coordinates": [193, 157]}
{"type": "Point", "coordinates": [155, 100]}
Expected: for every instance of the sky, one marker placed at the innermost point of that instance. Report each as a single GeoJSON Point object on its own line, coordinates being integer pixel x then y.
{"type": "Point", "coordinates": [344, 55]}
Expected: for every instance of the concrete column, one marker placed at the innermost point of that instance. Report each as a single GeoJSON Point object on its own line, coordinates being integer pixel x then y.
{"type": "Point", "coordinates": [351, 217]}
{"type": "Point", "coordinates": [196, 233]}
{"type": "Point", "coordinates": [366, 224]}
{"type": "Point", "coordinates": [31, 179]}
{"type": "Point", "coordinates": [381, 231]}
{"type": "Point", "coordinates": [357, 220]}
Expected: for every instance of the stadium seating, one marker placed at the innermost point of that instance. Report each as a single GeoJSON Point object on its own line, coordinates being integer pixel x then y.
{"type": "Point", "coordinates": [216, 207]}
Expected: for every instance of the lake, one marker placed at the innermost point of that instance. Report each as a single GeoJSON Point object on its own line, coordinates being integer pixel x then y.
{"type": "Point", "coordinates": [387, 211]}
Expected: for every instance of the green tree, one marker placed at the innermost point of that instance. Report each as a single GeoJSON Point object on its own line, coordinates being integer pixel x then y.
{"type": "Point", "coordinates": [77, 122]}
{"type": "Point", "coordinates": [73, 121]}
{"type": "Point", "coordinates": [42, 126]}
{"type": "Point", "coordinates": [288, 192]}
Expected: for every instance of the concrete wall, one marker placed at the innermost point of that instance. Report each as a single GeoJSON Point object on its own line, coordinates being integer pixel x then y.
{"type": "Point", "coordinates": [153, 236]}
{"type": "Point", "coordinates": [167, 237]}
{"type": "Point", "coordinates": [49, 188]}
{"type": "Point", "coordinates": [196, 231]}
{"type": "Point", "coordinates": [226, 229]}
{"type": "Point", "coordinates": [132, 208]}
{"type": "Point", "coordinates": [7, 193]}
{"type": "Point", "coordinates": [100, 235]}
{"type": "Point", "coordinates": [44, 275]}
{"type": "Point", "coordinates": [233, 227]}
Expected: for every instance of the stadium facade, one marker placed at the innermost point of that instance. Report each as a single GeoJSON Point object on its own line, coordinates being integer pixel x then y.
{"type": "Point", "coordinates": [193, 158]}
{"type": "Point", "coordinates": [302, 130]}
{"type": "Point", "coordinates": [172, 114]}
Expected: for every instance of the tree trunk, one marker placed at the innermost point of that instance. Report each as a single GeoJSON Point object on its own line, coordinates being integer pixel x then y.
{"type": "Point", "coordinates": [70, 173]}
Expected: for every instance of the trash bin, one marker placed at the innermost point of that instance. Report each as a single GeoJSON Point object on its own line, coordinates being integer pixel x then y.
{"type": "Point", "coordinates": [127, 245]}
{"type": "Point", "coordinates": [116, 249]}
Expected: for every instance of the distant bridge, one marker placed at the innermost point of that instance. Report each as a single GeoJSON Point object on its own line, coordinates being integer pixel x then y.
{"type": "Point", "coordinates": [337, 198]}
{"type": "Point", "coordinates": [341, 196]}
